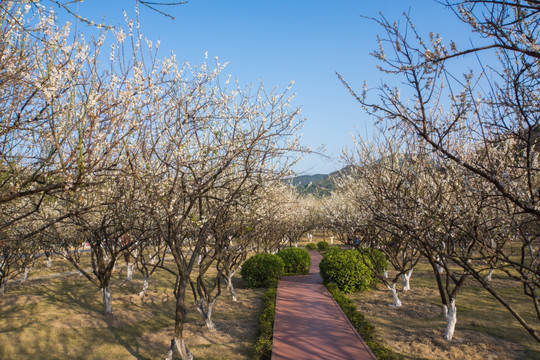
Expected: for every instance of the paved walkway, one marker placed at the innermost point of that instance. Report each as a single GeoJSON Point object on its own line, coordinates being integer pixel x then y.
{"type": "Point", "coordinates": [309, 324]}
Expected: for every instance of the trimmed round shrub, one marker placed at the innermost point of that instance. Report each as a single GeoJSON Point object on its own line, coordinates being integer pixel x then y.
{"type": "Point", "coordinates": [346, 269]}
{"type": "Point", "coordinates": [322, 245]}
{"type": "Point", "coordinates": [333, 248]}
{"type": "Point", "coordinates": [297, 261]}
{"type": "Point", "coordinates": [311, 246]}
{"type": "Point", "coordinates": [262, 270]}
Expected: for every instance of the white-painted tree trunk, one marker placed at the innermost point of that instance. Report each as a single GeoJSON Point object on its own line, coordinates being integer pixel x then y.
{"type": "Point", "coordinates": [155, 257]}
{"type": "Point", "coordinates": [488, 276]}
{"type": "Point", "coordinates": [49, 261]}
{"type": "Point", "coordinates": [406, 280]}
{"type": "Point", "coordinates": [107, 299]}
{"type": "Point", "coordinates": [392, 288]}
{"type": "Point", "coordinates": [130, 268]}
{"type": "Point", "coordinates": [440, 269]}
{"type": "Point", "coordinates": [24, 274]}
{"type": "Point", "coordinates": [450, 314]}
{"type": "Point", "coordinates": [385, 274]}
{"type": "Point", "coordinates": [296, 244]}
{"type": "Point", "coordinates": [331, 240]}
{"type": "Point", "coordinates": [145, 286]}
{"type": "Point", "coordinates": [206, 313]}
{"type": "Point", "coordinates": [184, 352]}
{"type": "Point", "coordinates": [310, 237]}
{"type": "Point", "coordinates": [230, 286]}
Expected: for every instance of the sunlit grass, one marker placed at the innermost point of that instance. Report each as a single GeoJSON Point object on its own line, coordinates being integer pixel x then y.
{"type": "Point", "coordinates": [61, 318]}
{"type": "Point", "coordinates": [485, 329]}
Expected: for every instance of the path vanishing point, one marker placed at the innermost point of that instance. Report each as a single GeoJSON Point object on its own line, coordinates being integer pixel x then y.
{"type": "Point", "coordinates": [310, 325]}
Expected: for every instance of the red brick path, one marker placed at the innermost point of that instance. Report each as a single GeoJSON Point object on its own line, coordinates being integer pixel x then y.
{"type": "Point", "coordinates": [309, 325]}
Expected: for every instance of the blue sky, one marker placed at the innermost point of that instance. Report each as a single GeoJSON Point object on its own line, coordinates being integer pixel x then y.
{"type": "Point", "coordinates": [280, 41]}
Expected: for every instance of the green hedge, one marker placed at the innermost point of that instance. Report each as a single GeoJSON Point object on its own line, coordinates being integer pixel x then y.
{"type": "Point", "coordinates": [297, 261]}
{"type": "Point", "coordinates": [262, 270]}
{"type": "Point", "coordinates": [263, 345]}
{"type": "Point", "coordinates": [364, 328]}
{"type": "Point", "coordinates": [346, 269]}
{"type": "Point", "coordinates": [322, 245]}
{"type": "Point", "coordinates": [375, 258]}
{"type": "Point", "coordinates": [311, 246]}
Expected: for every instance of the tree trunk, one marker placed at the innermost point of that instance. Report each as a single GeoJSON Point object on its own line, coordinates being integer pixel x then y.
{"type": "Point", "coordinates": [107, 299]}
{"type": "Point", "coordinates": [24, 274]}
{"type": "Point", "coordinates": [488, 276]}
{"type": "Point", "coordinates": [230, 287]}
{"type": "Point", "coordinates": [130, 268]}
{"type": "Point", "coordinates": [450, 312]}
{"type": "Point", "coordinates": [180, 317]}
{"type": "Point", "coordinates": [185, 354]}
{"type": "Point", "coordinates": [145, 286]}
{"type": "Point", "coordinates": [49, 261]}
{"type": "Point", "coordinates": [406, 280]}
{"type": "Point", "coordinates": [440, 269]}
{"type": "Point", "coordinates": [205, 308]}
{"type": "Point", "coordinates": [397, 302]}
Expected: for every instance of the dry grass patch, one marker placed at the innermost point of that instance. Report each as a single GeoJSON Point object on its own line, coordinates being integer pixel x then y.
{"type": "Point", "coordinates": [484, 331]}
{"type": "Point", "coordinates": [61, 318]}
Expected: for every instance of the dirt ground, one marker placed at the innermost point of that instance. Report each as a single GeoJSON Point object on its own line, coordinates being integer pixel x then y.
{"type": "Point", "coordinates": [416, 330]}
{"type": "Point", "coordinates": [232, 338]}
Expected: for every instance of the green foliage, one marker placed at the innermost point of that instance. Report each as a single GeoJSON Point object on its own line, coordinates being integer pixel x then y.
{"type": "Point", "coordinates": [346, 269]}
{"type": "Point", "coordinates": [333, 248]}
{"type": "Point", "coordinates": [263, 346]}
{"type": "Point", "coordinates": [311, 246]}
{"type": "Point", "coordinates": [297, 261]}
{"type": "Point", "coordinates": [364, 328]}
{"type": "Point", "coordinates": [375, 258]}
{"type": "Point", "coordinates": [262, 270]}
{"type": "Point", "coordinates": [322, 245]}
{"type": "Point", "coordinates": [318, 185]}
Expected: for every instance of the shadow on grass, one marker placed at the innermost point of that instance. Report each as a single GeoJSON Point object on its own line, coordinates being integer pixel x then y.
{"type": "Point", "coordinates": [72, 292]}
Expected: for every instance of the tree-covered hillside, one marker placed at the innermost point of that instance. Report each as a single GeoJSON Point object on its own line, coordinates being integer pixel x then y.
{"type": "Point", "coordinates": [318, 184]}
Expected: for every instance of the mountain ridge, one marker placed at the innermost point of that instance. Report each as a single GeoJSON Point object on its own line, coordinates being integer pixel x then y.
{"type": "Point", "coordinates": [318, 184]}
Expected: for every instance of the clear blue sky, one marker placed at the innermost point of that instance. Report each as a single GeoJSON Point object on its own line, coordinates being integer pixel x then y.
{"type": "Point", "coordinates": [278, 41]}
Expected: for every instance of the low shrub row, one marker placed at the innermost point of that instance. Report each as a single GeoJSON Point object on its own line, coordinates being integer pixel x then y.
{"type": "Point", "coordinates": [264, 270]}
{"type": "Point", "coordinates": [364, 328]}
{"type": "Point", "coordinates": [263, 345]}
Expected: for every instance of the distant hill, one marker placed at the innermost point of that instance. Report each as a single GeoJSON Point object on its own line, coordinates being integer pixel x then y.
{"type": "Point", "coordinates": [318, 184]}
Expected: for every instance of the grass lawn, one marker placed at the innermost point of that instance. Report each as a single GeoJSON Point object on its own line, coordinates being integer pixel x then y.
{"type": "Point", "coordinates": [485, 330]}
{"type": "Point", "coordinates": [61, 318]}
